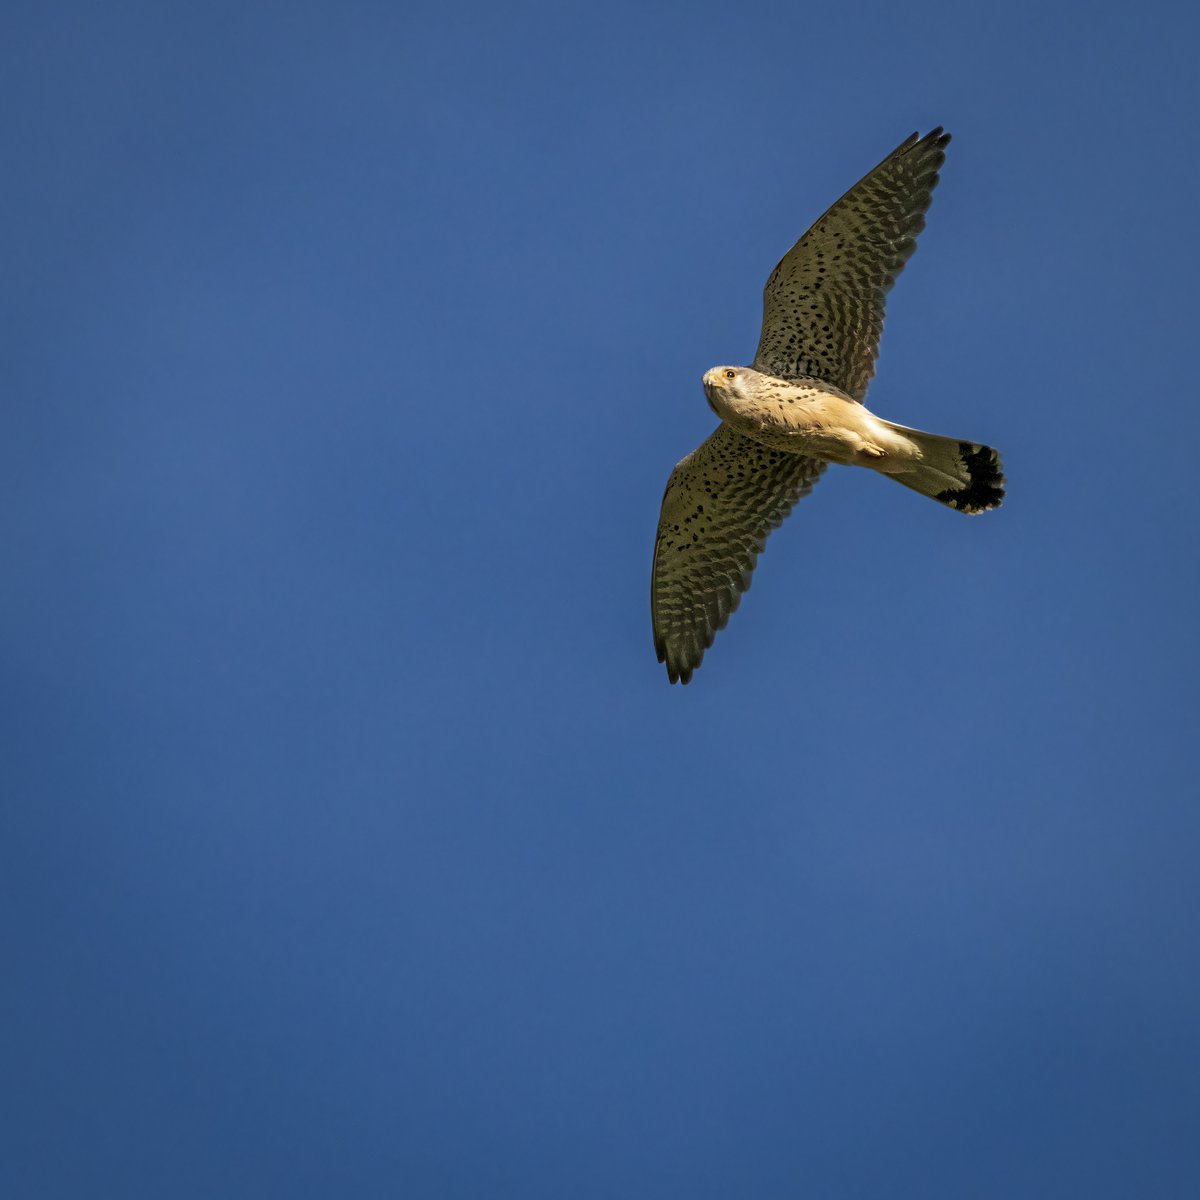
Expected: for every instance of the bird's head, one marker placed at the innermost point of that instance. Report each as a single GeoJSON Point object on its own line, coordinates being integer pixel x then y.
{"type": "Point", "coordinates": [731, 381]}
{"type": "Point", "coordinates": [725, 385]}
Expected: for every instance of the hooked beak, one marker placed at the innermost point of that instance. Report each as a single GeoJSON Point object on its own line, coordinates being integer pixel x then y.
{"type": "Point", "coordinates": [710, 390]}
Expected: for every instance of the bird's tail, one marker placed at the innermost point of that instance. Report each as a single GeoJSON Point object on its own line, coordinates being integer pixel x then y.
{"type": "Point", "coordinates": [962, 475]}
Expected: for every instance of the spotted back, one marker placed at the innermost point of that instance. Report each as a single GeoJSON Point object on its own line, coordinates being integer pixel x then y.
{"type": "Point", "coordinates": [823, 305]}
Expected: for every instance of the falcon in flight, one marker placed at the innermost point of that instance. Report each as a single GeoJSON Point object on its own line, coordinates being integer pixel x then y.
{"type": "Point", "coordinates": [800, 406]}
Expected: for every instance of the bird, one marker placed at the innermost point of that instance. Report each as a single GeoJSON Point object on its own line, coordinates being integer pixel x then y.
{"type": "Point", "coordinates": [799, 406]}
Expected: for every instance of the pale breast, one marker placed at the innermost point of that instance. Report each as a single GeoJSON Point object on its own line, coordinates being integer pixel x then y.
{"type": "Point", "coordinates": [800, 419]}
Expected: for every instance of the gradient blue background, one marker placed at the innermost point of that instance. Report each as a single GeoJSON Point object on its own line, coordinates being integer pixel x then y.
{"type": "Point", "coordinates": [353, 842]}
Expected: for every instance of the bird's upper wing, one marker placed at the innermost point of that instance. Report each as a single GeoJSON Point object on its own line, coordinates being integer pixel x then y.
{"type": "Point", "coordinates": [823, 304]}
{"type": "Point", "coordinates": [720, 504]}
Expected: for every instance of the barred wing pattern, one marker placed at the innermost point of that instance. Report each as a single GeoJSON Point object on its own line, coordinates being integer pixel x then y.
{"type": "Point", "coordinates": [823, 305]}
{"type": "Point", "coordinates": [720, 504]}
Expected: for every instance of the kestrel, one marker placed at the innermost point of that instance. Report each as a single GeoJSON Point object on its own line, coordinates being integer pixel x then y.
{"type": "Point", "coordinates": [800, 406]}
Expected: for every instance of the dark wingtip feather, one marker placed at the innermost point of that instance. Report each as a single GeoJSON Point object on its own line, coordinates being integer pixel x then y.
{"type": "Point", "coordinates": [678, 674]}
{"type": "Point", "coordinates": [936, 141]}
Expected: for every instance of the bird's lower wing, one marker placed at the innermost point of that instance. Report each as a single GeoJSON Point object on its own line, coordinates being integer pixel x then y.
{"type": "Point", "coordinates": [720, 504]}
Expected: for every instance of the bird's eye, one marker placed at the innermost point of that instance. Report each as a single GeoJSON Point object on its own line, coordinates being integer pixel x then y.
{"type": "Point", "coordinates": [730, 374]}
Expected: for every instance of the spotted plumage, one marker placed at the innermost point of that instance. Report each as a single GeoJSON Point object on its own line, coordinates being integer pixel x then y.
{"type": "Point", "coordinates": [800, 407]}
{"type": "Point", "coordinates": [719, 506]}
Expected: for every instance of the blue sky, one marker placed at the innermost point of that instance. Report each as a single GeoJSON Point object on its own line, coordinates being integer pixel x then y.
{"type": "Point", "coordinates": [353, 841]}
